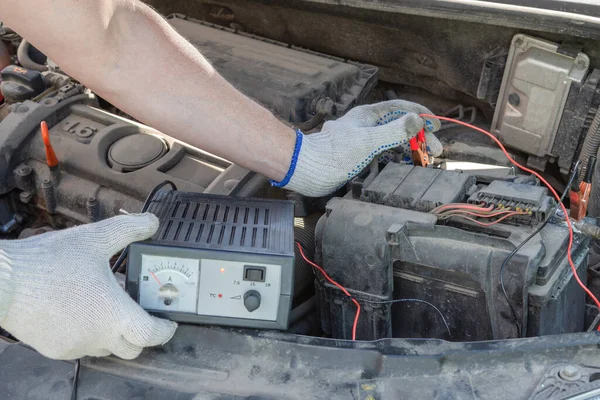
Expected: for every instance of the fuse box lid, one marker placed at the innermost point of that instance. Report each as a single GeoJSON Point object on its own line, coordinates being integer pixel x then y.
{"type": "Point", "coordinates": [420, 189]}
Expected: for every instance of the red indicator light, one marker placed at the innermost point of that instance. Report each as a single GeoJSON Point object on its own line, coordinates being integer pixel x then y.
{"type": "Point", "coordinates": [220, 295]}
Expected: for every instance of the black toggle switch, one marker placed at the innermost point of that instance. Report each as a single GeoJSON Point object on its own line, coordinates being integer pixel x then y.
{"type": "Point", "coordinates": [254, 273]}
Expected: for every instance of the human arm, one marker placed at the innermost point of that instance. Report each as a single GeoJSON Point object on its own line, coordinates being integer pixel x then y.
{"type": "Point", "coordinates": [131, 56]}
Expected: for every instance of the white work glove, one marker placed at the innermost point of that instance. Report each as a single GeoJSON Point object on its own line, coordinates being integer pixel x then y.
{"type": "Point", "coordinates": [324, 161]}
{"type": "Point", "coordinates": [58, 295]}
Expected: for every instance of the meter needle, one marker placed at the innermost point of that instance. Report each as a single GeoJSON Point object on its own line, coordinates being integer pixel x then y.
{"type": "Point", "coordinates": [154, 276]}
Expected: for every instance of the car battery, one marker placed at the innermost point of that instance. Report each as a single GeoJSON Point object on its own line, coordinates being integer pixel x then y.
{"type": "Point", "coordinates": [383, 254]}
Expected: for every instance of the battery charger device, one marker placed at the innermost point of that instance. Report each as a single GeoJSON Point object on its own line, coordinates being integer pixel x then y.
{"type": "Point", "coordinates": [216, 260]}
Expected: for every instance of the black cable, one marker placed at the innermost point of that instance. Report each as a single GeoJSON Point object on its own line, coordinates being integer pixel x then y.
{"type": "Point", "coordinates": [145, 207]}
{"type": "Point", "coordinates": [153, 193]}
{"type": "Point", "coordinates": [410, 301]}
{"type": "Point", "coordinates": [363, 300]}
{"type": "Point", "coordinates": [75, 380]}
{"type": "Point", "coordinates": [524, 242]}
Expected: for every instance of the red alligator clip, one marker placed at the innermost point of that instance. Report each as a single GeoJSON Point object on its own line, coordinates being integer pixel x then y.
{"type": "Point", "coordinates": [580, 195]}
{"type": "Point", "coordinates": [418, 146]}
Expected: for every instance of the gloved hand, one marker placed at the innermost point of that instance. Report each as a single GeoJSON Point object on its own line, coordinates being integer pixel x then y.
{"type": "Point", "coordinates": [324, 161]}
{"type": "Point", "coordinates": [58, 295]}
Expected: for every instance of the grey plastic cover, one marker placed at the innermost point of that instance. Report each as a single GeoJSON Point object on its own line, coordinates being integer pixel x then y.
{"type": "Point", "coordinates": [416, 188]}
{"type": "Point", "coordinates": [283, 78]}
{"type": "Point", "coordinates": [534, 90]}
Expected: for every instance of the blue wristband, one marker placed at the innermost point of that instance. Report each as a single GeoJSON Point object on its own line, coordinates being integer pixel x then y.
{"type": "Point", "coordinates": [288, 176]}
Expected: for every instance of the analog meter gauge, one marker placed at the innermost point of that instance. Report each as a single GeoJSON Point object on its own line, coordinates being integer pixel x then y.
{"type": "Point", "coordinates": [169, 284]}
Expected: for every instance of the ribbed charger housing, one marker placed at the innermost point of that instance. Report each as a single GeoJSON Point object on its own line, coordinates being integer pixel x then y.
{"type": "Point", "coordinates": [224, 223]}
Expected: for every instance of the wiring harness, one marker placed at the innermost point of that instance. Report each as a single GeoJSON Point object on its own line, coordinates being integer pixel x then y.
{"type": "Point", "coordinates": [470, 212]}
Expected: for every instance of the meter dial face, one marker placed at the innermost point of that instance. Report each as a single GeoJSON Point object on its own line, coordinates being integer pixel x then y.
{"type": "Point", "coordinates": [169, 283]}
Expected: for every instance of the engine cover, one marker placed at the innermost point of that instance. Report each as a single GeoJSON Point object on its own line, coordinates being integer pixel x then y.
{"type": "Point", "coordinates": [381, 252]}
{"type": "Point", "coordinates": [106, 162]}
{"type": "Point", "coordinates": [285, 79]}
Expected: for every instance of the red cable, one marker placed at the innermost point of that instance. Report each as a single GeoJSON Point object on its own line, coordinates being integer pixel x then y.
{"type": "Point", "coordinates": [458, 212]}
{"type": "Point", "coordinates": [512, 214]}
{"type": "Point", "coordinates": [462, 207]}
{"type": "Point", "coordinates": [564, 209]}
{"type": "Point", "coordinates": [343, 289]}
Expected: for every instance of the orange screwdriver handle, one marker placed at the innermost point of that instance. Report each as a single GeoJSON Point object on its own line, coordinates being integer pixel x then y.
{"type": "Point", "coordinates": [51, 159]}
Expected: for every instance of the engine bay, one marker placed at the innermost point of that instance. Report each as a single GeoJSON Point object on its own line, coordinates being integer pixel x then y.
{"type": "Point", "coordinates": [426, 252]}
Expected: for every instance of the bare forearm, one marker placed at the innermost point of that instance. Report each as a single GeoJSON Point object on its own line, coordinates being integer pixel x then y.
{"type": "Point", "coordinates": [134, 59]}
{"type": "Point", "coordinates": [170, 86]}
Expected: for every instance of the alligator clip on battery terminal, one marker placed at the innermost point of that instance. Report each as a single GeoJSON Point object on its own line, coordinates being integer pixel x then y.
{"type": "Point", "coordinates": [580, 195]}
{"type": "Point", "coordinates": [418, 146]}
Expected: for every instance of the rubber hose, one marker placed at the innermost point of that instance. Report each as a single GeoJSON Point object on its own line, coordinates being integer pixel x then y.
{"type": "Point", "coordinates": [391, 95]}
{"type": "Point", "coordinates": [302, 309]}
{"type": "Point", "coordinates": [304, 233]}
{"type": "Point", "coordinates": [591, 145]}
{"type": "Point", "coordinates": [5, 60]}
{"type": "Point", "coordinates": [325, 108]}
{"type": "Point", "coordinates": [307, 326]}
{"type": "Point", "coordinates": [25, 59]}
{"type": "Point", "coordinates": [253, 187]}
{"type": "Point", "coordinates": [313, 122]}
